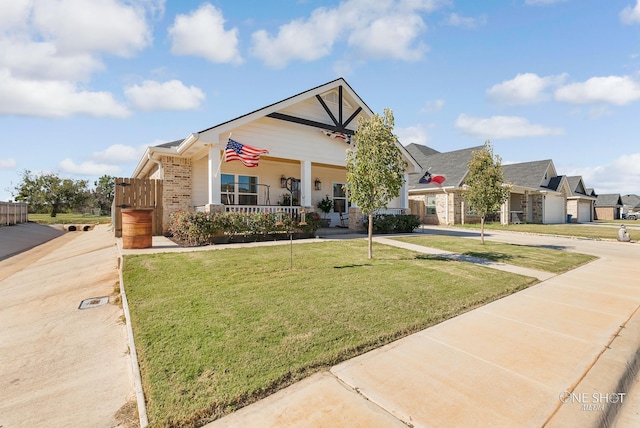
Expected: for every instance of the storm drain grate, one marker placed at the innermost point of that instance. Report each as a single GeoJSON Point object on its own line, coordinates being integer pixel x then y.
{"type": "Point", "coordinates": [93, 302]}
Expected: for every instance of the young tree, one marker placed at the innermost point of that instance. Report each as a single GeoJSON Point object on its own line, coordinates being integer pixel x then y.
{"type": "Point", "coordinates": [485, 187]}
{"type": "Point", "coordinates": [375, 168]}
{"type": "Point", "coordinates": [50, 193]}
{"type": "Point", "coordinates": [104, 193]}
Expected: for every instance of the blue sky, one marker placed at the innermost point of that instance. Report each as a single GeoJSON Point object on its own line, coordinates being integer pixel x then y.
{"type": "Point", "coordinates": [86, 85]}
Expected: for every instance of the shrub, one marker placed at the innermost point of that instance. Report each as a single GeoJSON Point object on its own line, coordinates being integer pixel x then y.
{"type": "Point", "coordinates": [390, 223]}
{"type": "Point", "coordinates": [199, 228]}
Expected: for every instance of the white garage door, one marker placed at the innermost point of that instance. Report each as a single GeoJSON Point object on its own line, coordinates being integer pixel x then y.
{"type": "Point", "coordinates": [554, 209]}
{"type": "Point", "coordinates": [584, 212]}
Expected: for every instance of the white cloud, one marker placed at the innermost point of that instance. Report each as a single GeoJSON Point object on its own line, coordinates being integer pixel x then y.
{"type": "Point", "coordinates": [50, 48]}
{"type": "Point", "coordinates": [374, 30]}
{"type": "Point", "coordinates": [525, 88]}
{"type": "Point", "coordinates": [631, 15]}
{"type": "Point", "coordinates": [171, 95]}
{"type": "Point", "coordinates": [618, 176]}
{"type": "Point", "coordinates": [412, 134]}
{"type": "Point", "coordinates": [617, 90]}
{"type": "Point", "coordinates": [305, 40]}
{"type": "Point", "coordinates": [88, 168]}
{"type": "Point", "coordinates": [202, 34]}
{"type": "Point", "coordinates": [432, 106]}
{"type": "Point", "coordinates": [502, 127]}
{"type": "Point", "coordinates": [456, 20]}
{"type": "Point", "coordinates": [8, 163]}
{"type": "Point", "coordinates": [119, 153]}
{"type": "Point", "coordinates": [51, 98]}
{"type": "Point", "coordinates": [79, 26]}
{"type": "Point", "coordinates": [391, 37]}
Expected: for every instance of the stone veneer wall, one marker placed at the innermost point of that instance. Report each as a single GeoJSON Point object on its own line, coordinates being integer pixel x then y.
{"type": "Point", "coordinates": [536, 208]}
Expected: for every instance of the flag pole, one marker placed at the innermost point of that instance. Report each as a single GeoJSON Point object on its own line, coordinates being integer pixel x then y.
{"type": "Point", "coordinates": [222, 158]}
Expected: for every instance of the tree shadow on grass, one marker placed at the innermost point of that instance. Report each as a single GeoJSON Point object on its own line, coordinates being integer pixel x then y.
{"type": "Point", "coordinates": [352, 266]}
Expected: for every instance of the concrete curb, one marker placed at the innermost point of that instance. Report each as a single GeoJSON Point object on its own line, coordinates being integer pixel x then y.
{"type": "Point", "coordinates": [133, 354]}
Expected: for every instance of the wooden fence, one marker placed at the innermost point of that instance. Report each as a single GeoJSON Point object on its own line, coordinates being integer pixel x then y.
{"type": "Point", "coordinates": [13, 213]}
{"type": "Point", "coordinates": [137, 193]}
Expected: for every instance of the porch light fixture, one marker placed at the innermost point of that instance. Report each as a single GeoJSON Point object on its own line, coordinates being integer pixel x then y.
{"type": "Point", "coordinates": [283, 182]}
{"type": "Point", "coordinates": [318, 184]}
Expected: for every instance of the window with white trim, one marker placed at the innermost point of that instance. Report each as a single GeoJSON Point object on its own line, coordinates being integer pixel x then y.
{"type": "Point", "coordinates": [430, 203]}
{"type": "Point", "coordinates": [340, 203]}
{"type": "Point", "coordinates": [240, 188]}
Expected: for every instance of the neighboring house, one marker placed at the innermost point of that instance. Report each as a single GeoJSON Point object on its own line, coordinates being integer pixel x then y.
{"type": "Point", "coordinates": [580, 202]}
{"type": "Point", "coordinates": [444, 204]}
{"type": "Point", "coordinates": [630, 203]}
{"type": "Point", "coordinates": [538, 194]}
{"type": "Point", "coordinates": [608, 207]}
{"type": "Point", "coordinates": [306, 136]}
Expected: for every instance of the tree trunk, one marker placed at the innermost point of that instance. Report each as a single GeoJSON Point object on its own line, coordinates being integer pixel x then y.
{"type": "Point", "coordinates": [482, 230]}
{"type": "Point", "coordinates": [370, 236]}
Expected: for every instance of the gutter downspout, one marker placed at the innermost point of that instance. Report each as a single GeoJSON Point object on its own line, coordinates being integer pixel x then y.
{"type": "Point", "coordinates": [446, 203]}
{"type": "Point", "coordinates": [157, 162]}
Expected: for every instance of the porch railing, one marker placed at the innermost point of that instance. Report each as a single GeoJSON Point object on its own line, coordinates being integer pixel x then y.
{"type": "Point", "coordinates": [254, 209]}
{"type": "Point", "coordinates": [390, 211]}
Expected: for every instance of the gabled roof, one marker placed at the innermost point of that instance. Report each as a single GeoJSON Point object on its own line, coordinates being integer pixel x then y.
{"type": "Point", "coordinates": [631, 200]}
{"type": "Point", "coordinates": [452, 165]}
{"type": "Point", "coordinates": [420, 152]}
{"type": "Point", "coordinates": [609, 200]}
{"type": "Point", "coordinates": [578, 190]}
{"type": "Point", "coordinates": [528, 174]}
{"type": "Point", "coordinates": [591, 192]}
{"type": "Point", "coordinates": [340, 121]}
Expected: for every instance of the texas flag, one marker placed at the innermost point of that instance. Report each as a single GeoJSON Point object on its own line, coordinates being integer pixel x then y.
{"type": "Point", "coordinates": [428, 178]}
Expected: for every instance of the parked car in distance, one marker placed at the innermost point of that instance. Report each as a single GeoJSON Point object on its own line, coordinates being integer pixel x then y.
{"type": "Point", "coordinates": [633, 216]}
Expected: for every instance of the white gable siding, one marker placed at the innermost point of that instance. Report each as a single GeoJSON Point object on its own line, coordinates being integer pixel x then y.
{"type": "Point", "coordinates": [288, 140]}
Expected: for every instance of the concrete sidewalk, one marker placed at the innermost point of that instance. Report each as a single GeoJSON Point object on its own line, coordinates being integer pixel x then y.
{"type": "Point", "coordinates": [550, 356]}
{"type": "Point", "coordinates": [60, 365]}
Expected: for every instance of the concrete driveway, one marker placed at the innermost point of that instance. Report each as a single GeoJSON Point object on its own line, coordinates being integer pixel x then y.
{"type": "Point", "coordinates": [61, 366]}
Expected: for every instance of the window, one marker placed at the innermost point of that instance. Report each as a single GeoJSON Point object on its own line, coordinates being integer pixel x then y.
{"type": "Point", "coordinates": [430, 202]}
{"type": "Point", "coordinates": [340, 203]}
{"type": "Point", "coordinates": [243, 189]}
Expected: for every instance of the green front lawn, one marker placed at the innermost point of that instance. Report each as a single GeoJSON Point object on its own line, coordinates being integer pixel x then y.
{"type": "Point", "coordinates": [68, 219]}
{"type": "Point", "coordinates": [544, 259]}
{"type": "Point", "coordinates": [217, 330]}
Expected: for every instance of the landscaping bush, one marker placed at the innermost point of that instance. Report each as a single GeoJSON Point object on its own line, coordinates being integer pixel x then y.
{"type": "Point", "coordinates": [391, 223]}
{"type": "Point", "coordinates": [198, 228]}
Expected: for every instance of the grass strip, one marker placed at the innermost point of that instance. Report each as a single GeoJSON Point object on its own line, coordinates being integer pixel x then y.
{"type": "Point", "coordinates": [545, 259]}
{"type": "Point", "coordinates": [609, 231]}
{"type": "Point", "coordinates": [217, 330]}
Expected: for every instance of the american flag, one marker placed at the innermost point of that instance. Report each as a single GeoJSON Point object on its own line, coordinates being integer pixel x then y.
{"type": "Point", "coordinates": [248, 155]}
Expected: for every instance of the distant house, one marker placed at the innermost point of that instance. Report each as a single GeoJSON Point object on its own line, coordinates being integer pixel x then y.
{"type": "Point", "coordinates": [608, 207]}
{"type": "Point", "coordinates": [538, 194]}
{"type": "Point", "coordinates": [630, 203]}
{"type": "Point", "coordinates": [580, 202]}
{"type": "Point", "coordinates": [306, 136]}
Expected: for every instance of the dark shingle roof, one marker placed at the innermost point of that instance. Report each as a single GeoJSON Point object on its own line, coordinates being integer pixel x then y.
{"type": "Point", "coordinates": [452, 165]}
{"type": "Point", "coordinates": [608, 200]}
{"type": "Point", "coordinates": [631, 200]}
{"type": "Point", "coordinates": [554, 182]}
{"type": "Point", "coordinates": [171, 144]}
{"type": "Point", "coordinates": [526, 174]}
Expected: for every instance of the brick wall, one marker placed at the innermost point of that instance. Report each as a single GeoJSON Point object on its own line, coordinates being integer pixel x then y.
{"type": "Point", "coordinates": [177, 186]}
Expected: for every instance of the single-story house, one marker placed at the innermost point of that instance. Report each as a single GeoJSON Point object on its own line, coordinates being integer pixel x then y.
{"type": "Point", "coordinates": [608, 206]}
{"type": "Point", "coordinates": [630, 203]}
{"type": "Point", "coordinates": [580, 202]}
{"type": "Point", "coordinates": [305, 138]}
{"type": "Point", "coordinates": [538, 193]}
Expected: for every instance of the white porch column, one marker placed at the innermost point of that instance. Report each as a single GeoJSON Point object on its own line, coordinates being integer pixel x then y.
{"type": "Point", "coordinates": [214, 175]}
{"type": "Point", "coordinates": [404, 192]}
{"type": "Point", "coordinates": [305, 186]}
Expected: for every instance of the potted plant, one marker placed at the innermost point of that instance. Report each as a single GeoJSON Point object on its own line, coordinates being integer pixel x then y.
{"type": "Point", "coordinates": [325, 206]}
